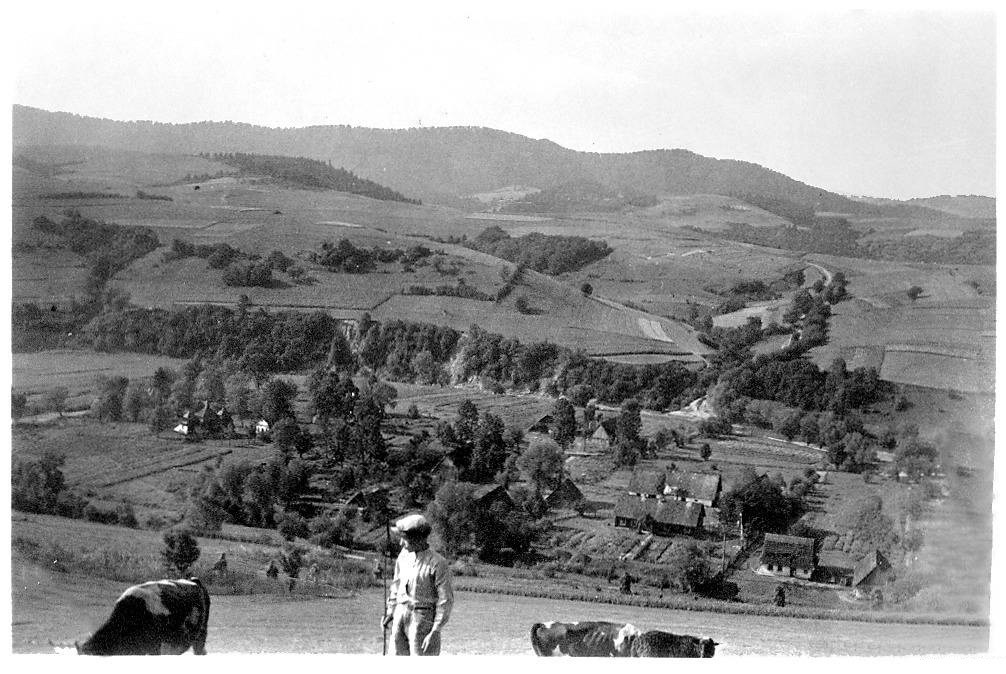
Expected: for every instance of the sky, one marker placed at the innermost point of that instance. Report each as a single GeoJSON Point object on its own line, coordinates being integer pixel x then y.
{"type": "Point", "coordinates": [894, 103]}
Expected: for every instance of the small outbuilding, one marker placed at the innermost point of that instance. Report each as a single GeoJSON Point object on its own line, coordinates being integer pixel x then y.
{"type": "Point", "coordinates": [633, 512]}
{"type": "Point", "coordinates": [787, 556]}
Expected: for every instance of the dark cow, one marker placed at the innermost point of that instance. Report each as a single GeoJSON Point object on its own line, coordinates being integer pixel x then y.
{"type": "Point", "coordinates": [162, 617]}
{"type": "Point", "coordinates": [580, 639]}
{"type": "Point", "coordinates": [656, 644]}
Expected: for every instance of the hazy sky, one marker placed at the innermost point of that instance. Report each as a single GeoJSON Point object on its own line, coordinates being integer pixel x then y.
{"type": "Point", "coordinates": [886, 104]}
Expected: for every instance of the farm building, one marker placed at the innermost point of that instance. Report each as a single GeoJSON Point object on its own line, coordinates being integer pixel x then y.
{"type": "Point", "coordinates": [647, 483]}
{"type": "Point", "coordinates": [488, 495]}
{"type": "Point", "coordinates": [633, 512]}
{"type": "Point", "coordinates": [683, 485]}
{"type": "Point", "coordinates": [676, 517]}
{"type": "Point", "coordinates": [262, 427]}
{"type": "Point", "coordinates": [871, 570]}
{"type": "Point", "coordinates": [835, 567]}
{"type": "Point", "coordinates": [565, 495]}
{"type": "Point", "coordinates": [787, 556]}
{"type": "Point", "coordinates": [541, 425]}
{"type": "Point", "coordinates": [598, 441]}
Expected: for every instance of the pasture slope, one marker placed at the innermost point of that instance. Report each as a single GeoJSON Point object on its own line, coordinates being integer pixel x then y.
{"type": "Point", "coordinates": [481, 624]}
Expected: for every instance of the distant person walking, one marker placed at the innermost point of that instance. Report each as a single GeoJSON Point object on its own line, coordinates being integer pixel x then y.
{"type": "Point", "coordinates": [420, 598]}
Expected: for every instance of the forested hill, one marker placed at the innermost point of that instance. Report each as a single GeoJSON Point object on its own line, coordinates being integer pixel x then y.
{"type": "Point", "coordinates": [308, 173]}
{"type": "Point", "coordinates": [443, 164]}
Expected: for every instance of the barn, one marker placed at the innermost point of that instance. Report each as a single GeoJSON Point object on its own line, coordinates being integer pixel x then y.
{"type": "Point", "coordinates": [566, 495]}
{"type": "Point", "coordinates": [787, 556]}
{"type": "Point", "coordinates": [677, 517]}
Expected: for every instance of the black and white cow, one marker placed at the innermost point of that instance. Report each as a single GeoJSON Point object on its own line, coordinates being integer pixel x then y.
{"type": "Point", "coordinates": [580, 639]}
{"type": "Point", "coordinates": [162, 617]}
{"type": "Point", "coordinates": [656, 644]}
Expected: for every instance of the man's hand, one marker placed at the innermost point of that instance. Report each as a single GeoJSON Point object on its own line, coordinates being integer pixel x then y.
{"type": "Point", "coordinates": [429, 639]}
{"type": "Point", "coordinates": [386, 621]}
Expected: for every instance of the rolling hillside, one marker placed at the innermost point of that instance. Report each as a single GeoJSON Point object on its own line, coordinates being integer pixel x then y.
{"type": "Point", "coordinates": [455, 161]}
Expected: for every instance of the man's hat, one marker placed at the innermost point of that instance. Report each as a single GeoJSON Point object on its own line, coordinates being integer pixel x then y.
{"type": "Point", "coordinates": [413, 526]}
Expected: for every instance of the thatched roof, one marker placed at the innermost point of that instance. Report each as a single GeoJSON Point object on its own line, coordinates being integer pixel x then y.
{"type": "Point", "coordinates": [679, 513]}
{"type": "Point", "coordinates": [649, 482]}
{"type": "Point", "coordinates": [795, 552]}
{"type": "Point", "coordinates": [699, 486]}
{"type": "Point", "coordinates": [631, 507]}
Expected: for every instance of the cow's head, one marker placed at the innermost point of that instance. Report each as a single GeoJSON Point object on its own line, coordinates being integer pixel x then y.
{"type": "Point", "coordinates": [707, 648]}
{"type": "Point", "coordinates": [624, 638]}
{"type": "Point", "coordinates": [546, 636]}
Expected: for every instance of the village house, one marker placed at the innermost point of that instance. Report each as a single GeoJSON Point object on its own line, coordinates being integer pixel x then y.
{"type": "Point", "coordinates": [835, 567]}
{"type": "Point", "coordinates": [566, 495]}
{"type": "Point", "coordinates": [210, 421]}
{"type": "Point", "coordinates": [262, 428]}
{"type": "Point", "coordinates": [787, 556]}
{"type": "Point", "coordinates": [676, 517]}
{"type": "Point", "coordinates": [872, 570]}
{"type": "Point", "coordinates": [694, 487]}
{"type": "Point", "coordinates": [646, 484]}
{"type": "Point", "coordinates": [488, 495]}
{"type": "Point", "coordinates": [632, 512]}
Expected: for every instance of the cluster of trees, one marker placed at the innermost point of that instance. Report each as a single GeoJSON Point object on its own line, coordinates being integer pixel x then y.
{"type": "Point", "coordinates": [479, 444]}
{"type": "Point", "coordinates": [657, 386]}
{"type": "Point", "coordinates": [140, 194]}
{"type": "Point", "coordinates": [308, 173]}
{"type": "Point", "coordinates": [248, 274]}
{"type": "Point", "coordinates": [346, 257]}
{"type": "Point", "coordinates": [462, 290]}
{"type": "Point", "coordinates": [350, 418]}
{"type": "Point", "coordinates": [38, 486]}
{"type": "Point", "coordinates": [262, 342]}
{"type": "Point", "coordinates": [764, 504]}
{"type": "Point", "coordinates": [408, 351]}
{"type": "Point", "coordinates": [541, 252]}
{"type": "Point", "coordinates": [971, 247]}
{"type": "Point", "coordinates": [244, 493]}
{"type": "Point", "coordinates": [239, 268]}
{"type": "Point", "coordinates": [507, 360]}
{"type": "Point", "coordinates": [80, 195]}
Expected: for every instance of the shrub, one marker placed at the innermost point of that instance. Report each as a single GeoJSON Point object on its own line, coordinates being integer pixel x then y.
{"type": "Point", "coordinates": [180, 550]}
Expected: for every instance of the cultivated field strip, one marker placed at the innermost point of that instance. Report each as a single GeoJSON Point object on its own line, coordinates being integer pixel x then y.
{"type": "Point", "coordinates": [141, 466]}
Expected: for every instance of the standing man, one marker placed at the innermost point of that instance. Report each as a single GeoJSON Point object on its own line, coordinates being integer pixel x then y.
{"type": "Point", "coordinates": [420, 598]}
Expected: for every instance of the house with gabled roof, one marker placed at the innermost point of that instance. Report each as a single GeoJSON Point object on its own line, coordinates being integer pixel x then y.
{"type": "Point", "coordinates": [633, 512]}
{"type": "Point", "coordinates": [677, 517]}
{"type": "Point", "coordinates": [565, 495]}
{"type": "Point", "coordinates": [488, 495]}
{"type": "Point", "coordinates": [693, 486]}
{"type": "Point", "coordinates": [835, 567]}
{"type": "Point", "coordinates": [647, 483]}
{"type": "Point", "coordinates": [872, 570]}
{"type": "Point", "coordinates": [787, 556]}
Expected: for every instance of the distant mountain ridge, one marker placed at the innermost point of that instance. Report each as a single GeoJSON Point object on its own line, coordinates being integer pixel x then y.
{"type": "Point", "coordinates": [442, 164]}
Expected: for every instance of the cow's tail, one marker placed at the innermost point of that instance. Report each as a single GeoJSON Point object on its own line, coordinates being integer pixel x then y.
{"type": "Point", "coordinates": [540, 646]}
{"type": "Point", "coordinates": [199, 638]}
